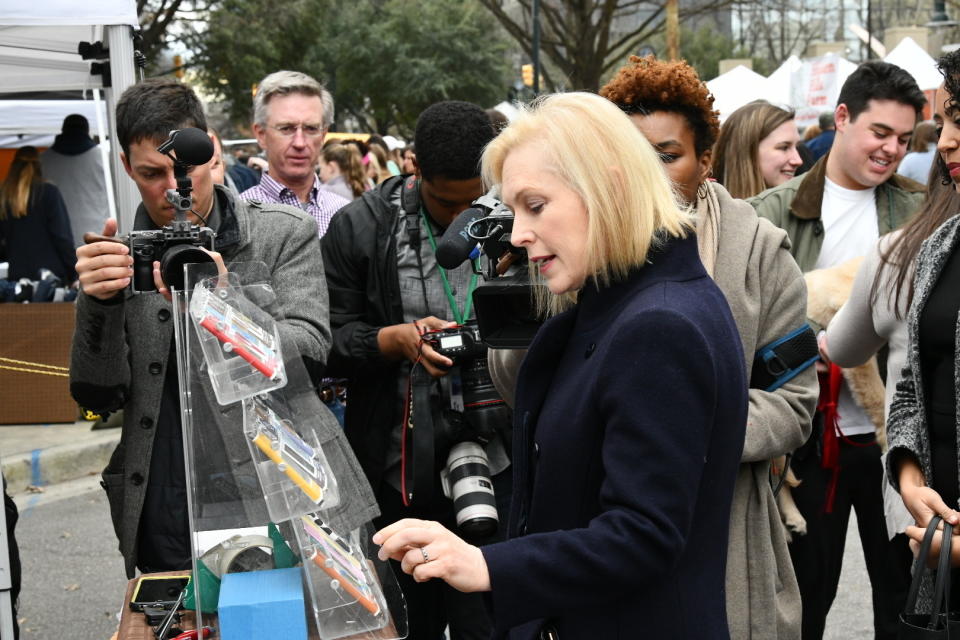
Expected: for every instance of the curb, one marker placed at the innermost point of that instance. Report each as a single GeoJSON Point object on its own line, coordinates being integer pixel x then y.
{"type": "Point", "coordinates": [59, 463]}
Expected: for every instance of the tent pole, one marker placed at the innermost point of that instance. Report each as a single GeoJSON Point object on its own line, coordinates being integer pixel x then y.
{"type": "Point", "coordinates": [120, 42]}
{"type": "Point", "coordinates": [99, 106]}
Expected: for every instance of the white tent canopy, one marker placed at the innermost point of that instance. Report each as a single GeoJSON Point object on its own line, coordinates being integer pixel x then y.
{"type": "Point", "coordinates": [46, 116]}
{"type": "Point", "coordinates": [911, 57]}
{"type": "Point", "coordinates": [812, 86]}
{"type": "Point", "coordinates": [36, 122]}
{"type": "Point", "coordinates": [38, 52]}
{"type": "Point", "coordinates": [38, 41]}
{"type": "Point", "coordinates": [736, 88]}
{"type": "Point", "coordinates": [781, 81]}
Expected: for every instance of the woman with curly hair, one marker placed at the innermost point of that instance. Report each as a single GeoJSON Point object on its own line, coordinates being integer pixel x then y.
{"type": "Point", "coordinates": [756, 149]}
{"type": "Point", "coordinates": [749, 260]}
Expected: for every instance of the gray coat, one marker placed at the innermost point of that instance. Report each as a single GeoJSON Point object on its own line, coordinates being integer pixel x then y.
{"type": "Point", "coordinates": [768, 298]}
{"type": "Point", "coordinates": [121, 348]}
{"type": "Point", "coordinates": [907, 432]}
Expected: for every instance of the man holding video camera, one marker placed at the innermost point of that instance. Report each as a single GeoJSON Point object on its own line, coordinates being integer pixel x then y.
{"type": "Point", "coordinates": [123, 348]}
{"type": "Point", "coordinates": [387, 297]}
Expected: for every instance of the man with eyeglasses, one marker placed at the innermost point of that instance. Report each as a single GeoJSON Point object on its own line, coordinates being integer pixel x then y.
{"type": "Point", "coordinates": [292, 113]}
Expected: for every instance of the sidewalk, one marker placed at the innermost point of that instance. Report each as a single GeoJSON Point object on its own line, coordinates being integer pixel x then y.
{"type": "Point", "coordinates": [44, 454]}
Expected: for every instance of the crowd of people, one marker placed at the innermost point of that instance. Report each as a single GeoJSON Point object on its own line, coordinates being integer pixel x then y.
{"type": "Point", "coordinates": [631, 444]}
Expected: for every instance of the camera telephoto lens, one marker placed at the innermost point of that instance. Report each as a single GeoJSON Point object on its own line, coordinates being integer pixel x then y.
{"type": "Point", "coordinates": [470, 488]}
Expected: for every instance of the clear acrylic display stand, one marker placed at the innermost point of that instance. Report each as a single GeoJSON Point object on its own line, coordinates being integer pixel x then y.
{"type": "Point", "coordinates": [240, 342]}
{"type": "Point", "coordinates": [261, 448]}
{"type": "Point", "coordinates": [284, 456]}
{"type": "Point", "coordinates": [344, 584]}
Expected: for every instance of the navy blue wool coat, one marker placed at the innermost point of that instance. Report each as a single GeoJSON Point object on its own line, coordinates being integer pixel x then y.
{"type": "Point", "coordinates": [629, 425]}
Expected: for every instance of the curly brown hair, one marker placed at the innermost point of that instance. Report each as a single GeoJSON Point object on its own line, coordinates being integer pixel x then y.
{"type": "Point", "coordinates": [646, 85]}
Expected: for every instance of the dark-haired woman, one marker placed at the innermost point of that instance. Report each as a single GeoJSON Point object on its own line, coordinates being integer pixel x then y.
{"type": "Point", "coordinates": [922, 426]}
{"type": "Point", "coordinates": [34, 226]}
{"type": "Point", "coordinates": [875, 315]}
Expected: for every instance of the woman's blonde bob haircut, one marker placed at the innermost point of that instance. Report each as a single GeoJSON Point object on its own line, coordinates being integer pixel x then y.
{"type": "Point", "coordinates": [598, 152]}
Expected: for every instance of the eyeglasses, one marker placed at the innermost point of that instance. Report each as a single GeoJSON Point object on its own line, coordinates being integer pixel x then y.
{"type": "Point", "coordinates": [288, 130]}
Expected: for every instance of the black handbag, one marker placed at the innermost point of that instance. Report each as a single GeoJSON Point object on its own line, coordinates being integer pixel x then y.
{"type": "Point", "coordinates": [939, 623]}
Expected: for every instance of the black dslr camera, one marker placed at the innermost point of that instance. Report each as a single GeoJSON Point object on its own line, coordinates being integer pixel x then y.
{"type": "Point", "coordinates": [180, 242]}
{"type": "Point", "coordinates": [460, 344]}
{"type": "Point", "coordinates": [466, 473]}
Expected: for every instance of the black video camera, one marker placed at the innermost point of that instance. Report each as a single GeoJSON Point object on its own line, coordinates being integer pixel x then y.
{"type": "Point", "coordinates": [504, 306]}
{"type": "Point", "coordinates": [180, 242]}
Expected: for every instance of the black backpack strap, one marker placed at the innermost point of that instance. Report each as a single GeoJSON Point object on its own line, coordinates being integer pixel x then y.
{"type": "Point", "coordinates": [410, 196]}
{"type": "Point", "coordinates": [782, 360]}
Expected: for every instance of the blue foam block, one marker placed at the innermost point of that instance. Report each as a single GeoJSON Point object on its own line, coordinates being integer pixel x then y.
{"type": "Point", "coordinates": [262, 604]}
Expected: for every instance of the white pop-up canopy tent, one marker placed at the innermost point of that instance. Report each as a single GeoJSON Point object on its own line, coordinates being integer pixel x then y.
{"type": "Point", "coordinates": [911, 57]}
{"type": "Point", "coordinates": [781, 81]}
{"type": "Point", "coordinates": [736, 88]}
{"type": "Point", "coordinates": [813, 85]}
{"type": "Point", "coordinates": [38, 52]}
{"type": "Point", "coordinates": [36, 122]}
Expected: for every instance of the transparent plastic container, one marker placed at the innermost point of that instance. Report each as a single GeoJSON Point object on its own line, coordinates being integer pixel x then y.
{"type": "Point", "coordinates": [353, 593]}
{"type": "Point", "coordinates": [293, 470]}
{"type": "Point", "coordinates": [240, 341]}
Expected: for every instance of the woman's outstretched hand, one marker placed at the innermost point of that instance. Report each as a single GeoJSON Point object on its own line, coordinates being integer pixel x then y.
{"type": "Point", "coordinates": [428, 550]}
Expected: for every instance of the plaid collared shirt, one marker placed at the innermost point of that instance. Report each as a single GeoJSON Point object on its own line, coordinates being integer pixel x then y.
{"type": "Point", "coordinates": [322, 205]}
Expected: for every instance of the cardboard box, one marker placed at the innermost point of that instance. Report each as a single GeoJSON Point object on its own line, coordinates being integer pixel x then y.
{"type": "Point", "coordinates": [37, 334]}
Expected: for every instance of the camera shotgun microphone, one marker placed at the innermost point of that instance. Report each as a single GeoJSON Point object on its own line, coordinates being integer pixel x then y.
{"type": "Point", "coordinates": [190, 145]}
{"type": "Point", "coordinates": [456, 245]}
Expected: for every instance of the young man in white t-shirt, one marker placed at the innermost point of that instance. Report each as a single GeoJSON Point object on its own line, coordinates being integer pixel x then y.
{"type": "Point", "coordinates": [833, 213]}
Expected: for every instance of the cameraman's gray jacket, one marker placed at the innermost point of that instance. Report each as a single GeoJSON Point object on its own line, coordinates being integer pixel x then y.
{"type": "Point", "coordinates": [121, 352]}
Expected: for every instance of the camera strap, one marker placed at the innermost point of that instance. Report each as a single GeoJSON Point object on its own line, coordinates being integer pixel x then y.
{"type": "Point", "coordinates": [460, 316]}
{"type": "Point", "coordinates": [417, 446]}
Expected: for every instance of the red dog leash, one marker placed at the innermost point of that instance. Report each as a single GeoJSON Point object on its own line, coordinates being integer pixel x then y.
{"type": "Point", "coordinates": [830, 384]}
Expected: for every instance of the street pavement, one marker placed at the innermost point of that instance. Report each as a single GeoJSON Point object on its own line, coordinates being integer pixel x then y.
{"type": "Point", "coordinates": [73, 574]}
{"type": "Point", "coordinates": [851, 617]}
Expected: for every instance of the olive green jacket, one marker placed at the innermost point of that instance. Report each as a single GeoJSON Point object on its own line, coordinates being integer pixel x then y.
{"type": "Point", "coordinates": [795, 205]}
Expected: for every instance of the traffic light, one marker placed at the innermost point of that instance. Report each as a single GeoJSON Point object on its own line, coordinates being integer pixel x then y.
{"type": "Point", "coordinates": [178, 66]}
{"type": "Point", "coordinates": [526, 72]}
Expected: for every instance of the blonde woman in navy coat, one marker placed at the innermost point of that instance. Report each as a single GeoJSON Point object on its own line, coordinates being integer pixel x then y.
{"type": "Point", "coordinates": [630, 407]}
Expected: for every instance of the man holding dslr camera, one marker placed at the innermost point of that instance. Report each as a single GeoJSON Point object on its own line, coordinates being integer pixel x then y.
{"type": "Point", "coordinates": [123, 349]}
{"type": "Point", "coordinates": [387, 293]}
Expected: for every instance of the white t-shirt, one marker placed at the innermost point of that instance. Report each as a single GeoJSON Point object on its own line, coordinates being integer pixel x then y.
{"type": "Point", "coordinates": [850, 230]}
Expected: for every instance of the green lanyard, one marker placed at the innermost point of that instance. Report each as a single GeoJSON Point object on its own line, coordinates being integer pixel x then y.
{"type": "Point", "coordinates": [460, 318]}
